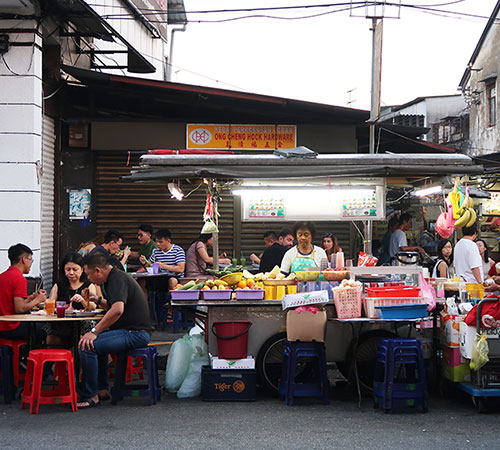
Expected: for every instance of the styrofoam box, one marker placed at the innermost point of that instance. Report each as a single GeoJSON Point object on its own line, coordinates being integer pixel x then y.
{"type": "Point", "coordinates": [305, 298]}
{"type": "Point", "coordinates": [245, 363]}
{"type": "Point", "coordinates": [468, 334]}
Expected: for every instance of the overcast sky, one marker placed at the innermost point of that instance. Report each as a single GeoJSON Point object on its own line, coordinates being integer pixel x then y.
{"type": "Point", "coordinates": [320, 59]}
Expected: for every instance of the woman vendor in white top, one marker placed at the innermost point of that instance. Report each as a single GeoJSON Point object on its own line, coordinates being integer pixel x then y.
{"type": "Point", "coordinates": [445, 259]}
{"type": "Point", "coordinates": [304, 254]}
{"type": "Point", "coordinates": [487, 261]}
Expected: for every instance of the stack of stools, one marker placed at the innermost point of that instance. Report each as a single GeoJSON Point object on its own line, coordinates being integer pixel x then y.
{"type": "Point", "coordinates": [16, 350]}
{"type": "Point", "coordinates": [7, 387]}
{"type": "Point", "coordinates": [121, 389]}
{"type": "Point", "coordinates": [65, 392]}
{"type": "Point", "coordinates": [400, 375]}
{"type": "Point", "coordinates": [289, 387]}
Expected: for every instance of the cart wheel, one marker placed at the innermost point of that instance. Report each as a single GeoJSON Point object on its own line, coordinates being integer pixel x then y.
{"type": "Point", "coordinates": [366, 358]}
{"type": "Point", "coordinates": [270, 363]}
{"type": "Point", "coordinates": [480, 404]}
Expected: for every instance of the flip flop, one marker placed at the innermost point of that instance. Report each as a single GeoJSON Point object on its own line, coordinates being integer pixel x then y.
{"type": "Point", "coordinates": [90, 404]}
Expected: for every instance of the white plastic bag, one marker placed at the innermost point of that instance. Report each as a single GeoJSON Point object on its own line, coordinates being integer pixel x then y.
{"type": "Point", "coordinates": [178, 363]}
{"type": "Point", "coordinates": [191, 386]}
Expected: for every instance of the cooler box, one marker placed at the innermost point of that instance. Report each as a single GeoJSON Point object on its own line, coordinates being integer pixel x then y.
{"type": "Point", "coordinates": [222, 385]}
{"type": "Point", "coordinates": [468, 334]}
{"type": "Point", "coordinates": [450, 329]}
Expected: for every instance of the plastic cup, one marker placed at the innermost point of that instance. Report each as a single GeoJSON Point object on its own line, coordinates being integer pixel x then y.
{"type": "Point", "coordinates": [235, 262]}
{"type": "Point", "coordinates": [60, 309]}
{"type": "Point", "coordinates": [280, 292]}
{"type": "Point", "coordinates": [50, 305]}
{"type": "Point", "coordinates": [156, 267]}
{"type": "Point", "coordinates": [243, 261]}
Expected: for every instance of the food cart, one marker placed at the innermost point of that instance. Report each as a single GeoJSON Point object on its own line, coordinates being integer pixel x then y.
{"type": "Point", "coordinates": [306, 178]}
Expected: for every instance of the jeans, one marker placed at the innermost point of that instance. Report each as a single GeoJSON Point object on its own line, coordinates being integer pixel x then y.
{"type": "Point", "coordinates": [94, 361]}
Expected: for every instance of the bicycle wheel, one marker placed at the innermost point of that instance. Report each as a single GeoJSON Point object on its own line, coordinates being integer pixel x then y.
{"type": "Point", "coordinates": [366, 358]}
{"type": "Point", "coordinates": [270, 364]}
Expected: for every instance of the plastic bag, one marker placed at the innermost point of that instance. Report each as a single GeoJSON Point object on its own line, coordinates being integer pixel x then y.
{"type": "Point", "coordinates": [178, 363]}
{"type": "Point", "coordinates": [191, 386]}
{"type": "Point", "coordinates": [199, 345]}
{"type": "Point", "coordinates": [480, 352]}
{"type": "Point", "coordinates": [427, 292]}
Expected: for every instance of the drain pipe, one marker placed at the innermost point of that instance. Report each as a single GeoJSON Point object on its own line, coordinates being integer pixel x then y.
{"type": "Point", "coordinates": [171, 52]}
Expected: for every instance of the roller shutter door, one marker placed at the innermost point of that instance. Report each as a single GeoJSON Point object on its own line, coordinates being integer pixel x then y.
{"type": "Point", "coordinates": [47, 202]}
{"type": "Point", "coordinates": [123, 205]}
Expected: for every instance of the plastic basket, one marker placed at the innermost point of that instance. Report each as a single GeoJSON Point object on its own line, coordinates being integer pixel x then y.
{"type": "Point", "coordinates": [488, 376]}
{"type": "Point", "coordinates": [347, 302]}
{"type": "Point", "coordinates": [393, 291]}
{"type": "Point", "coordinates": [369, 303]}
{"type": "Point", "coordinates": [185, 295]}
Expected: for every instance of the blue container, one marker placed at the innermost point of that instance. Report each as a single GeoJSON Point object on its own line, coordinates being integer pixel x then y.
{"type": "Point", "coordinates": [413, 311]}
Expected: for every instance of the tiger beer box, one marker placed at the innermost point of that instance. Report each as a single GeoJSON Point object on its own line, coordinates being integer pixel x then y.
{"type": "Point", "coordinates": [222, 385]}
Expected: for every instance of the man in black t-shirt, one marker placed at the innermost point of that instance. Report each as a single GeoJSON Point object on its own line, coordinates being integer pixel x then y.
{"type": "Point", "coordinates": [125, 325]}
{"type": "Point", "coordinates": [273, 255]}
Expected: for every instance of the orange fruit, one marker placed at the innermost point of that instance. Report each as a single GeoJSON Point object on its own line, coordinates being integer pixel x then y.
{"type": "Point", "coordinates": [250, 283]}
{"type": "Point", "coordinates": [242, 284]}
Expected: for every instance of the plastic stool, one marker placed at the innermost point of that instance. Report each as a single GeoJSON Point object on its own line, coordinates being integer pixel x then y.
{"type": "Point", "coordinates": [121, 389]}
{"type": "Point", "coordinates": [65, 392]}
{"type": "Point", "coordinates": [7, 388]}
{"type": "Point", "coordinates": [16, 346]}
{"type": "Point", "coordinates": [400, 375]}
{"type": "Point", "coordinates": [132, 368]}
{"type": "Point", "coordinates": [289, 387]}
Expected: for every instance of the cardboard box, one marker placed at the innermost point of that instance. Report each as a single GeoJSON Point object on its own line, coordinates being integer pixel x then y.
{"type": "Point", "coordinates": [467, 336]}
{"type": "Point", "coordinates": [227, 385]}
{"type": "Point", "coordinates": [450, 329]}
{"type": "Point", "coordinates": [458, 373]}
{"type": "Point", "coordinates": [452, 357]}
{"type": "Point", "coordinates": [245, 363]}
{"type": "Point", "coordinates": [304, 298]}
{"type": "Point", "coordinates": [306, 326]}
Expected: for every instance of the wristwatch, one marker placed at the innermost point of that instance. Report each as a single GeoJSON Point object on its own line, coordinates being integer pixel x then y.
{"type": "Point", "coordinates": [93, 330]}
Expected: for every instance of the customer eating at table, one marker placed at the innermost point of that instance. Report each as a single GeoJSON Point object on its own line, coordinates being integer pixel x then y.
{"type": "Point", "coordinates": [304, 254]}
{"type": "Point", "coordinates": [273, 255]}
{"type": "Point", "coordinates": [126, 325]}
{"type": "Point", "coordinates": [269, 239]}
{"type": "Point", "coordinates": [71, 288]}
{"type": "Point", "coordinates": [14, 298]}
{"type": "Point", "coordinates": [197, 257]}
{"type": "Point", "coordinates": [171, 259]}
{"type": "Point", "coordinates": [111, 248]}
{"type": "Point", "coordinates": [145, 238]}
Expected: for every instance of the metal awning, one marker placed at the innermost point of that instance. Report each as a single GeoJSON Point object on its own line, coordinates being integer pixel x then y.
{"type": "Point", "coordinates": [84, 21]}
{"type": "Point", "coordinates": [168, 167]}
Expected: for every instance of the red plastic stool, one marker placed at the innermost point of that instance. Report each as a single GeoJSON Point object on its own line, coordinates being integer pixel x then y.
{"type": "Point", "coordinates": [16, 346]}
{"type": "Point", "coordinates": [132, 368]}
{"type": "Point", "coordinates": [64, 371]}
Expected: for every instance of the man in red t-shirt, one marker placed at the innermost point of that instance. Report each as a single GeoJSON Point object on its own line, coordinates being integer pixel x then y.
{"type": "Point", "coordinates": [14, 297]}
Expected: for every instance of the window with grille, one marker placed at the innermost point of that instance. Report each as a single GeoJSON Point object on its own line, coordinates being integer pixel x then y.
{"type": "Point", "coordinates": [491, 92]}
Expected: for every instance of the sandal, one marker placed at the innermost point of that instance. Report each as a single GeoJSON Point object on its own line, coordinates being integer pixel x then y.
{"type": "Point", "coordinates": [90, 404]}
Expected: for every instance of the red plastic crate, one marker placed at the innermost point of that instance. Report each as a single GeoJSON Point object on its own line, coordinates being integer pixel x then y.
{"type": "Point", "coordinates": [395, 291]}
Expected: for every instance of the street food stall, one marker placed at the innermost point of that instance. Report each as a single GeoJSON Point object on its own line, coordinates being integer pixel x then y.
{"type": "Point", "coordinates": [343, 187]}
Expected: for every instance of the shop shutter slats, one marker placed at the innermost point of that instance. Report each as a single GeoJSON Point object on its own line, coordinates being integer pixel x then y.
{"type": "Point", "coordinates": [47, 202]}
{"type": "Point", "coordinates": [123, 205]}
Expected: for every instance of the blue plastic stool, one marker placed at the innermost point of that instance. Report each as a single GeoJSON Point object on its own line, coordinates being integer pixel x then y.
{"type": "Point", "coordinates": [7, 387]}
{"type": "Point", "coordinates": [152, 389]}
{"type": "Point", "coordinates": [289, 387]}
{"type": "Point", "coordinates": [400, 375]}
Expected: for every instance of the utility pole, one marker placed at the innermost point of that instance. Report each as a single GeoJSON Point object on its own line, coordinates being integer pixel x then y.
{"type": "Point", "coordinates": [376, 11]}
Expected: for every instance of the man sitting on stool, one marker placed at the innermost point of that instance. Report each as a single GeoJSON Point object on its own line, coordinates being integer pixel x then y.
{"type": "Point", "coordinates": [125, 325]}
{"type": "Point", "coordinates": [14, 297]}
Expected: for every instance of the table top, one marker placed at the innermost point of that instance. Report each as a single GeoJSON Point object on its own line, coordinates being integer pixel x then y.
{"type": "Point", "coordinates": [147, 274]}
{"type": "Point", "coordinates": [46, 318]}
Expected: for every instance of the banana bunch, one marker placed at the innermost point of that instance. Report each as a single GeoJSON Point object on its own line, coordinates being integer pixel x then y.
{"type": "Point", "coordinates": [466, 214]}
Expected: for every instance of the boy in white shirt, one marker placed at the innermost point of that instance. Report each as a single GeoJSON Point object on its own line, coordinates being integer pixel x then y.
{"type": "Point", "coordinates": [467, 259]}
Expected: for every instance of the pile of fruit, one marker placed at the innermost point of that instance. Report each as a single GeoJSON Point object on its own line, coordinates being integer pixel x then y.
{"type": "Point", "coordinates": [460, 212]}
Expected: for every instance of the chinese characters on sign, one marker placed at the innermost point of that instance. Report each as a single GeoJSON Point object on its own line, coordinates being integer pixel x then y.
{"type": "Point", "coordinates": [241, 137]}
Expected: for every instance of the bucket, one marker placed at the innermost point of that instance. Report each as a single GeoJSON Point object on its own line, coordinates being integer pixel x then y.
{"type": "Point", "coordinates": [232, 338]}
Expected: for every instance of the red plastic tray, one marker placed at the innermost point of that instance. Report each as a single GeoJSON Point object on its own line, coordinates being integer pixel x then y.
{"type": "Point", "coordinates": [393, 291]}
